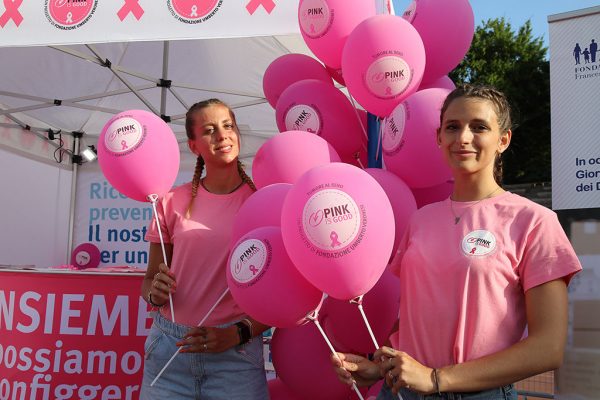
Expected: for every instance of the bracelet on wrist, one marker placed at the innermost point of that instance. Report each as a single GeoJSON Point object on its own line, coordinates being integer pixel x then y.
{"type": "Point", "coordinates": [244, 328]}
{"type": "Point", "coordinates": [153, 304]}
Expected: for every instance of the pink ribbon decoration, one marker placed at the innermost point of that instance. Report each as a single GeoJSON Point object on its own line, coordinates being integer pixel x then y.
{"type": "Point", "coordinates": [268, 5]}
{"type": "Point", "coordinates": [131, 6]}
{"type": "Point", "coordinates": [254, 270]}
{"type": "Point", "coordinates": [334, 239]}
{"type": "Point", "coordinates": [12, 12]}
{"type": "Point", "coordinates": [124, 145]}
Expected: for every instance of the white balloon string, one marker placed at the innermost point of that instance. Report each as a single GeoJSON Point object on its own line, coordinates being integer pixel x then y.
{"type": "Point", "coordinates": [358, 117]}
{"type": "Point", "coordinates": [360, 164]}
{"type": "Point", "coordinates": [199, 324]}
{"type": "Point", "coordinates": [358, 301]}
{"type": "Point", "coordinates": [154, 199]}
{"type": "Point", "coordinates": [313, 317]}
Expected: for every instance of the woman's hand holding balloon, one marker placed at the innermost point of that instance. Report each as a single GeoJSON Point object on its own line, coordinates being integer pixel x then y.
{"type": "Point", "coordinates": [401, 370]}
{"type": "Point", "coordinates": [209, 339]}
{"type": "Point", "coordinates": [352, 368]}
{"type": "Point", "coordinates": [163, 283]}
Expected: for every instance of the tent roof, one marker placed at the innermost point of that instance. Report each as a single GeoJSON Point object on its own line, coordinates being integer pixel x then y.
{"type": "Point", "coordinates": [71, 89]}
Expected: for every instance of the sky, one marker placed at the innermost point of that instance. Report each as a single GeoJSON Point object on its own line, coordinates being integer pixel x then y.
{"type": "Point", "coordinates": [517, 12]}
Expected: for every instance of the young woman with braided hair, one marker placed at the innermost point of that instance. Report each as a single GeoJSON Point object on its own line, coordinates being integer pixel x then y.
{"type": "Point", "coordinates": [475, 270]}
{"type": "Point", "coordinates": [222, 359]}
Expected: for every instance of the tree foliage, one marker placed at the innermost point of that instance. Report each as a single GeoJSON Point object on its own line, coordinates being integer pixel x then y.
{"type": "Point", "coordinates": [515, 62]}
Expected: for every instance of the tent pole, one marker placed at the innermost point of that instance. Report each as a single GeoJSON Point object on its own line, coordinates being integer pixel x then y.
{"type": "Point", "coordinates": [165, 71]}
{"type": "Point", "coordinates": [76, 145]}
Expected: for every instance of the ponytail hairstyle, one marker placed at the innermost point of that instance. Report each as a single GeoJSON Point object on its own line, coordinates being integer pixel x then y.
{"type": "Point", "coordinates": [501, 106]}
{"type": "Point", "coordinates": [189, 131]}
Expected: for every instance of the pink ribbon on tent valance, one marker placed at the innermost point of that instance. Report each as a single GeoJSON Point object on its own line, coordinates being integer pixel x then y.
{"type": "Point", "coordinates": [268, 5]}
{"type": "Point", "coordinates": [131, 6]}
{"type": "Point", "coordinates": [11, 12]}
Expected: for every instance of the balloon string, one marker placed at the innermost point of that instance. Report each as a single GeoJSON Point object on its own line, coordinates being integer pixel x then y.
{"type": "Point", "coordinates": [199, 324]}
{"type": "Point", "coordinates": [364, 130]}
{"type": "Point", "coordinates": [154, 199]}
{"type": "Point", "coordinates": [358, 301]}
{"type": "Point", "coordinates": [313, 317]}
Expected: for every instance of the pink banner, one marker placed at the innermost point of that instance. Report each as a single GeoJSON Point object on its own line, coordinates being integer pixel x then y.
{"type": "Point", "coordinates": [11, 12]}
{"type": "Point", "coordinates": [71, 336]}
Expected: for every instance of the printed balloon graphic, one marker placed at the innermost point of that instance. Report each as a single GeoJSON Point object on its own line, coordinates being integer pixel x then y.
{"type": "Point", "coordinates": [338, 228]}
{"type": "Point", "coordinates": [383, 63]}
{"type": "Point", "coordinates": [138, 154]}
{"type": "Point", "coordinates": [326, 24]}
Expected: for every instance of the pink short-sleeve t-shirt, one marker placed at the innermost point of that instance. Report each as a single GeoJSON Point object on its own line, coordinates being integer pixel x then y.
{"type": "Point", "coordinates": [201, 247]}
{"type": "Point", "coordinates": [463, 285]}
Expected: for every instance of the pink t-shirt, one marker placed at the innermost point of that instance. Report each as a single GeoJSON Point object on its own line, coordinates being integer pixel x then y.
{"type": "Point", "coordinates": [201, 247]}
{"type": "Point", "coordinates": [463, 286]}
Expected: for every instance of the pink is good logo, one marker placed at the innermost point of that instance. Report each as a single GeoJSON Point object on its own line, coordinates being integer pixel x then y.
{"type": "Point", "coordinates": [123, 135]}
{"type": "Point", "coordinates": [193, 11]}
{"type": "Point", "coordinates": [410, 12]}
{"type": "Point", "coordinates": [248, 261]}
{"type": "Point", "coordinates": [69, 14]}
{"type": "Point", "coordinates": [479, 243]}
{"type": "Point", "coordinates": [388, 77]}
{"type": "Point", "coordinates": [315, 18]}
{"type": "Point", "coordinates": [394, 130]}
{"type": "Point", "coordinates": [303, 118]}
{"type": "Point", "coordinates": [331, 219]}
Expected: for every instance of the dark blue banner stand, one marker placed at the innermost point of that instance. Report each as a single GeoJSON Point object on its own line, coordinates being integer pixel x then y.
{"type": "Point", "coordinates": [373, 151]}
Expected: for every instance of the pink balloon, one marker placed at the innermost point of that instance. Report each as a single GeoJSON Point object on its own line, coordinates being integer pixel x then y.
{"type": "Point", "coordinates": [301, 360]}
{"type": "Point", "coordinates": [336, 74]}
{"type": "Point", "coordinates": [443, 82]}
{"type": "Point", "coordinates": [262, 208]}
{"type": "Point", "coordinates": [288, 69]}
{"type": "Point", "coordinates": [409, 140]}
{"type": "Point", "coordinates": [278, 390]}
{"type": "Point", "coordinates": [383, 63]}
{"type": "Point", "coordinates": [401, 198]}
{"type": "Point", "coordinates": [261, 271]}
{"type": "Point", "coordinates": [138, 154]}
{"type": "Point", "coordinates": [319, 108]}
{"type": "Point", "coordinates": [343, 321]}
{"type": "Point", "coordinates": [446, 28]}
{"type": "Point", "coordinates": [326, 24]}
{"type": "Point", "coordinates": [432, 194]}
{"type": "Point", "coordinates": [338, 228]}
{"type": "Point", "coordinates": [285, 157]}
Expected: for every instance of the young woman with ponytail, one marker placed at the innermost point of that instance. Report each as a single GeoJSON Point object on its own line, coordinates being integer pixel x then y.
{"type": "Point", "coordinates": [222, 359]}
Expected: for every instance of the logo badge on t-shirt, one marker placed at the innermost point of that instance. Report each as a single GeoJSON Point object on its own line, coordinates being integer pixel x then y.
{"type": "Point", "coordinates": [479, 243]}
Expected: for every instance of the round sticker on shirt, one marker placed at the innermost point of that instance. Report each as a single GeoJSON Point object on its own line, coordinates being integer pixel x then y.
{"type": "Point", "coordinates": [248, 261]}
{"type": "Point", "coordinates": [479, 243]}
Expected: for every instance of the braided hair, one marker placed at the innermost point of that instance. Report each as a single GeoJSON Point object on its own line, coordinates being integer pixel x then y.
{"type": "Point", "coordinates": [199, 169]}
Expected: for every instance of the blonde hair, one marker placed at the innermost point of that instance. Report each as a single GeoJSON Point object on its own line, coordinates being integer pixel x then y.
{"type": "Point", "coordinates": [189, 130]}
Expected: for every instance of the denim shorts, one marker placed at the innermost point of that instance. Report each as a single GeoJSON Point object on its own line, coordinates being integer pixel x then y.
{"type": "Point", "coordinates": [507, 392]}
{"type": "Point", "coordinates": [237, 373]}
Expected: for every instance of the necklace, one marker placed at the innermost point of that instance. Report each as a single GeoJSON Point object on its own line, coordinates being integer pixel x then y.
{"type": "Point", "coordinates": [231, 191]}
{"type": "Point", "coordinates": [458, 217]}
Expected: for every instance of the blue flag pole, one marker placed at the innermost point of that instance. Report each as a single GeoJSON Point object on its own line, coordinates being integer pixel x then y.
{"type": "Point", "coordinates": [374, 143]}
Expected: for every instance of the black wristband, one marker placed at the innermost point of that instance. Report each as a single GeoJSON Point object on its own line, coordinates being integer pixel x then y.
{"type": "Point", "coordinates": [153, 304]}
{"type": "Point", "coordinates": [243, 332]}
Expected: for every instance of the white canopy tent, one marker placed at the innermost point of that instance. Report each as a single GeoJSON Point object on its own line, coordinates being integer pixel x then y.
{"type": "Point", "coordinates": [67, 83]}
